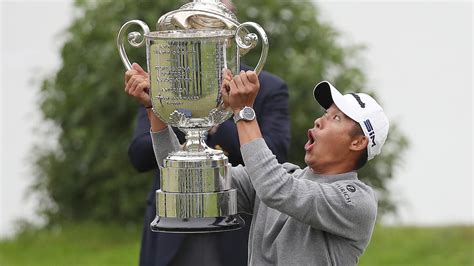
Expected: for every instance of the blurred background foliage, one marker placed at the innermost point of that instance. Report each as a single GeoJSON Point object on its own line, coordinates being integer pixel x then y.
{"type": "Point", "coordinates": [87, 175]}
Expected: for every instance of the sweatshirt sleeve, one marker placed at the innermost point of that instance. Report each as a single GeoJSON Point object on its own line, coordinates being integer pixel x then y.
{"type": "Point", "coordinates": [245, 191]}
{"type": "Point", "coordinates": [164, 142]}
{"type": "Point", "coordinates": [324, 206]}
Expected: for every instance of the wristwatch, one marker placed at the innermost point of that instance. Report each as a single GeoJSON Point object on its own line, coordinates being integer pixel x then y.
{"type": "Point", "coordinates": [247, 114]}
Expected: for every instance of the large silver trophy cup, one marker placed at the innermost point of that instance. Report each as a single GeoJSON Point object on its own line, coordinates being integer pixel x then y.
{"type": "Point", "coordinates": [185, 59]}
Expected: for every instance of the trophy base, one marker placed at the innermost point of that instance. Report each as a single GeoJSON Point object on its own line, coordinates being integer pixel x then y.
{"type": "Point", "coordinates": [197, 225]}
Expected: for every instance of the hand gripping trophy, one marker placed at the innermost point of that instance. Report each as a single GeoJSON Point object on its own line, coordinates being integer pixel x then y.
{"type": "Point", "coordinates": [185, 59]}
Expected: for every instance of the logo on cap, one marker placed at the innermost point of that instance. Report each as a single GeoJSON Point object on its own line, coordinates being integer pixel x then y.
{"type": "Point", "coordinates": [371, 131]}
{"type": "Point", "coordinates": [361, 103]}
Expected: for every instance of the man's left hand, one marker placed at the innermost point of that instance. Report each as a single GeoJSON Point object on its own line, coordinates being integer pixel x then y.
{"type": "Point", "coordinates": [244, 88]}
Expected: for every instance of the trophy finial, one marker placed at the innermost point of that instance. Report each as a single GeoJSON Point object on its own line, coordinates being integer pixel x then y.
{"type": "Point", "coordinates": [200, 14]}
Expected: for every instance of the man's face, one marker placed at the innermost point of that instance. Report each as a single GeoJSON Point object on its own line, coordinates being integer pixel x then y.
{"type": "Point", "coordinates": [329, 141]}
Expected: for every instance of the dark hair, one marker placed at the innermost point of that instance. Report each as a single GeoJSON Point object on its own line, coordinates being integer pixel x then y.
{"type": "Point", "coordinates": [362, 160]}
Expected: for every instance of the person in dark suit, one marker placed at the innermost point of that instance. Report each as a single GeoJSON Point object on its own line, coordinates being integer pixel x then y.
{"type": "Point", "coordinates": [224, 248]}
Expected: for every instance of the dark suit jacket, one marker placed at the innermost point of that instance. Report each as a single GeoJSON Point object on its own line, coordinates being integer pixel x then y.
{"type": "Point", "coordinates": [271, 108]}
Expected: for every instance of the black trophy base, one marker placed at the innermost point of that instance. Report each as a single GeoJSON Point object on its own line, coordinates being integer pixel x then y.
{"type": "Point", "coordinates": [197, 225]}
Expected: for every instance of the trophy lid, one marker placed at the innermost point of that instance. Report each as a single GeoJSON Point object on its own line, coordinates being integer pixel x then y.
{"type": "Point", "coordinates": [199, 14]}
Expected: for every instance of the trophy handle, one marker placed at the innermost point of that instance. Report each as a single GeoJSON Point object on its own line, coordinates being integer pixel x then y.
{"type": "Point", "coordinates": [133, 39]}
{"type": "Point", "coordinates": [250, 40]}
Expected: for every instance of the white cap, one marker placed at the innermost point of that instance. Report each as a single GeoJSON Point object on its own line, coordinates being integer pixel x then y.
{"type": "Point", "coordinates": [361, 108]}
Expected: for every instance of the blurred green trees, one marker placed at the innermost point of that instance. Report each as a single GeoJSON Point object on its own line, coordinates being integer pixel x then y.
{"type": "Point", "coordinates": [88, 175]}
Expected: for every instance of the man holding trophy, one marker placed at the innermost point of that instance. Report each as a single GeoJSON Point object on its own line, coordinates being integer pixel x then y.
{"type": "Point", "coordinates": [319, 215]}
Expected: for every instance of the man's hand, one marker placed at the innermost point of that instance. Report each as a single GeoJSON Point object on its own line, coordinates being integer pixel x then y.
{"type": "Point", "coordinates": [241, 90]}
{"type": "Point", "coordinates": [238, 92]}
{"type": "Point", "coordinates": [137, 84]}
{"type": "Point", "coordinates": [225, 88]}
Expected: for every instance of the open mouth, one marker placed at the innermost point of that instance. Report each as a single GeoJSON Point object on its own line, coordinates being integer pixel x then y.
{"type": "Point", "coordinates": [311, 141]}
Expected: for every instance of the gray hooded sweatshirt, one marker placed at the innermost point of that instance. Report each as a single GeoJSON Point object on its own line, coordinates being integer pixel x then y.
{"type": "Point", "coordinates": [299, 217]}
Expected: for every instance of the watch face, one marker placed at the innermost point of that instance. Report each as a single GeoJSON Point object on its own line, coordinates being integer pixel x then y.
{"type": "Point", "coordinates": [248, 113]}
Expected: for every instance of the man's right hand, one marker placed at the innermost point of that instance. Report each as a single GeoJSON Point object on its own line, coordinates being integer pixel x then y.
{"type": "Point", "coordinates": [137, 84]}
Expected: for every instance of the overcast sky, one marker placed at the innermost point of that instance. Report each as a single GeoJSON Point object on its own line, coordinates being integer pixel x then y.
{"type": "Point", "coordinates": [419, 61]}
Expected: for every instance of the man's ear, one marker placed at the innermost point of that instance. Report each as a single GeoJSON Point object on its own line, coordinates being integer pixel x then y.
{"type": "Point", "coordinates": [359, 143]}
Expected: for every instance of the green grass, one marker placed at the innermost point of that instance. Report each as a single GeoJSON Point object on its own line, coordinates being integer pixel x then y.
{"type": "Point", "coordinates": [443, 246]}
{"type": "Point", "coordinates": [93, 244]}
{"type": "Point", "coordinates": [85, 244]}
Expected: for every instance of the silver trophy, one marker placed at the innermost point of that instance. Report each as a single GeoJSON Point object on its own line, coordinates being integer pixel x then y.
{"type": "Point", "coordinates": [185, 59]}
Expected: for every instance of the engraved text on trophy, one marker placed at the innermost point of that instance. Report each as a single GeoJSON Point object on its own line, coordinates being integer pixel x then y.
{"type": "Point", "coordinates": [187, 75]}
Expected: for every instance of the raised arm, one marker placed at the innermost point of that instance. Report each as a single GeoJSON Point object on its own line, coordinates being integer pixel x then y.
{"type": "Point", "coordinates": [241, 91]}
{"type": "Point", "coordinates": [137, 86]}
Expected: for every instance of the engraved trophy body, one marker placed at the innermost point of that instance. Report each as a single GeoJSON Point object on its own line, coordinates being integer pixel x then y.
{"type": "Point", "coordinates": [185, 59]}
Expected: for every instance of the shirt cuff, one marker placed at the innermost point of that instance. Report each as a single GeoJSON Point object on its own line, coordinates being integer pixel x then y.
{"type": "Point", "coordinates": [160, 131]}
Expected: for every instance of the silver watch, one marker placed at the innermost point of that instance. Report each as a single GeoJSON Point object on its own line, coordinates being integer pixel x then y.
{"type": "Point", "coordinates": [247, 114]}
